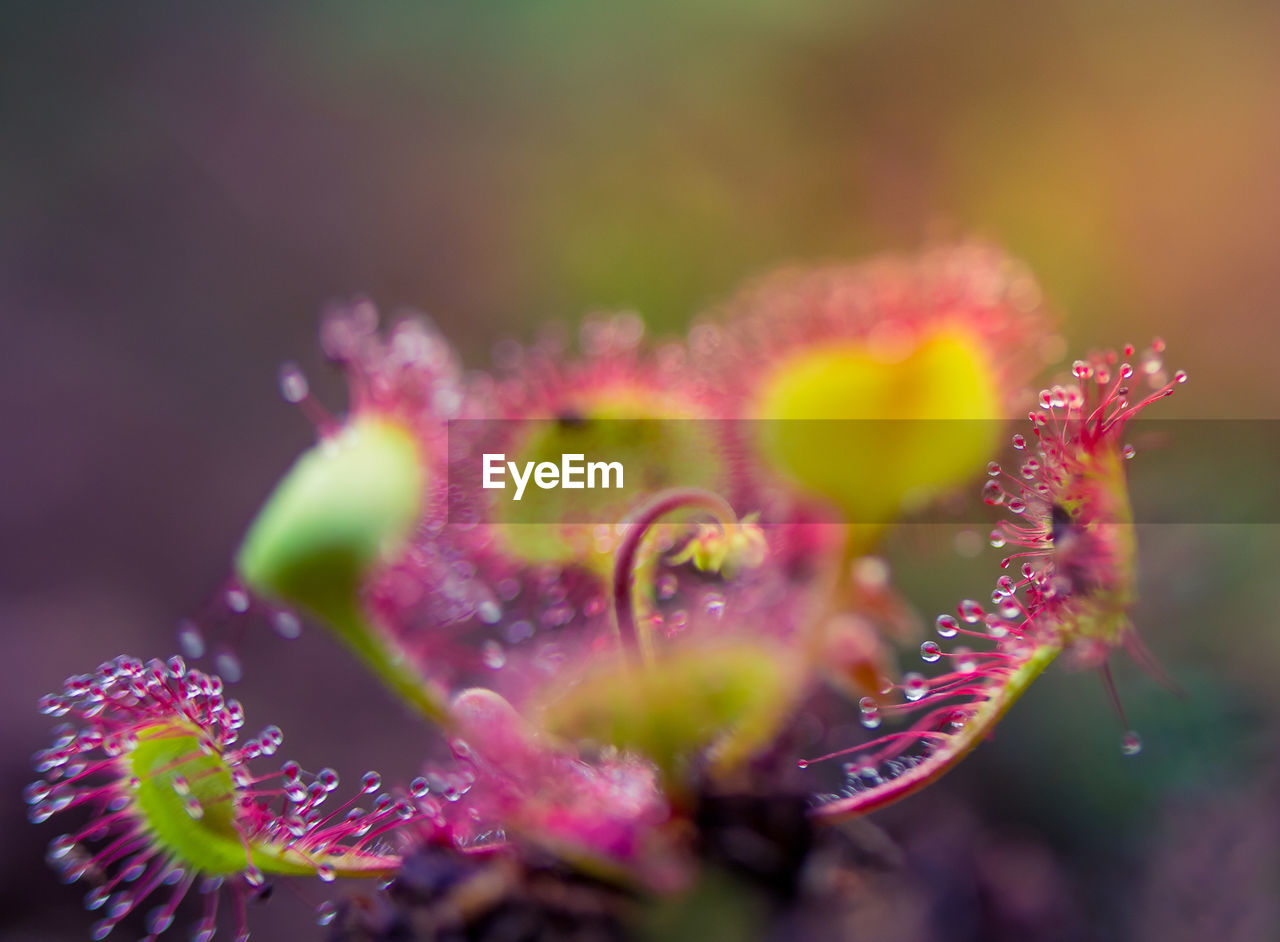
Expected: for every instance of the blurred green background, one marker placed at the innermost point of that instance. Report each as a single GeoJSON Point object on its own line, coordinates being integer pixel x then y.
{"type": "Point", "coordinates": [182, 187]}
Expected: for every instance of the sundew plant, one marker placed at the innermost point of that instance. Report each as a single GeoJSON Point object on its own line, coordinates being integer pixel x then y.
{"type": "Point", "coordinates": [633, 698]}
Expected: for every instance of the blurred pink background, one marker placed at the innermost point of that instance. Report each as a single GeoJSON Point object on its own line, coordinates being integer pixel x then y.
{"type": "Point", "coordinates": [182, 189]}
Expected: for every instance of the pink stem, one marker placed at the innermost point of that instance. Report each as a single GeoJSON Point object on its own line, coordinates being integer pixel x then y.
{"type": "Point", "coordinates": [625, 563]}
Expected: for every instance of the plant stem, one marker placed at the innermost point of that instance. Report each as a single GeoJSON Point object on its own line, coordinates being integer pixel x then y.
{"type": "Point", "coordinates": [626, 561]}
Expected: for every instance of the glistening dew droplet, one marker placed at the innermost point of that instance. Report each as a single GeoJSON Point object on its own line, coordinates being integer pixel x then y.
{"type": "Point", "coordinates": [914, 685]}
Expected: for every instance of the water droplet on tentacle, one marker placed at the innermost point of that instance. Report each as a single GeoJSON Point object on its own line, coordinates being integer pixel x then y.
{"type": "Point", "coordinates": [190, 640]}
{"type": "Point", "coordinates": [914, 686]}
{"type": "Point", "coordinates": [286, 624]}
{"type": "Point", "coordinates": [293, 383]}
{"type": "Point", "coordinates": [492, 655]}
{"type": "Point", "coordinates": [1130, 743]}
{"type": "Point", "coordinates": [326, 912]}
